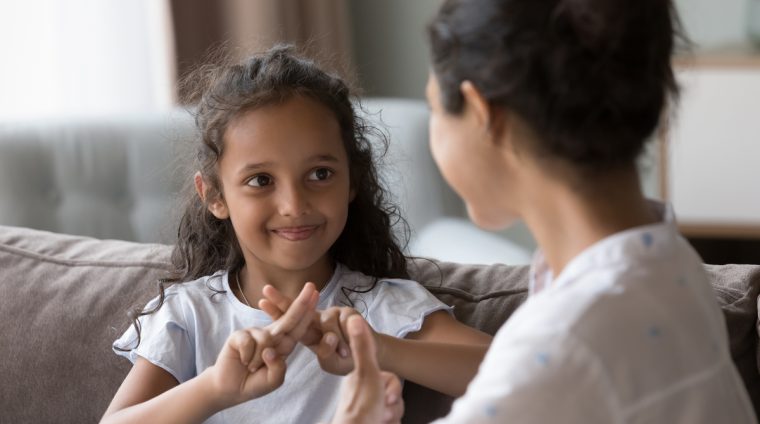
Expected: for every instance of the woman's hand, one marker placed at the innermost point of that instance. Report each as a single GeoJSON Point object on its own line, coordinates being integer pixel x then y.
{"type": "Point", "coordinates": [368, 395]}
{"type": "Point", "coordinates": [252, 361]}
{"type": "Point", "coordinates": [327, 336]}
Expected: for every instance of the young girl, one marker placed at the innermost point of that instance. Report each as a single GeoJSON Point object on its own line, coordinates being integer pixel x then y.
{"type": "Point", "coordinates": [539, 109]}
{"type": "Point", "coordinates": [287, 193]}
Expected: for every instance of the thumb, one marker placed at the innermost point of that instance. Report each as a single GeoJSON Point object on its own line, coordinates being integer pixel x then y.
{"type": "Point", "coordinates": [275, 367]}
{"type": "Point", "coordinates": [362, 346]}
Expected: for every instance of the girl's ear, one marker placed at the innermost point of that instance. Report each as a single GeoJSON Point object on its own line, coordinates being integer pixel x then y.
{"type": "Point", "coordinates": [217, 207]}
{"type": "Point", "coordinates": [351, 195]}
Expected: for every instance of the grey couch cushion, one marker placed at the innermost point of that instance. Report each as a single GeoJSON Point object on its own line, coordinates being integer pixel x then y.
{"type": "Point", "coordinates": [64, 299]}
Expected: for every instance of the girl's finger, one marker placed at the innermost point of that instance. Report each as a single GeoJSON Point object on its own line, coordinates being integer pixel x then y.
{"type": "Point", "coordinates": [270, 309]}
{"type": "Point", "coordinates": [297, 318]}
{"type": "Point", "coordinates": [327, 345]}
{"type": "Point", "coordinates": [278, 299]}
{"type": "Point", "coordinates": [263, 340]}
{"type": "Point", "coordinates": [275, 367]}
{"type": "Point", "coordinates": [244, 344]}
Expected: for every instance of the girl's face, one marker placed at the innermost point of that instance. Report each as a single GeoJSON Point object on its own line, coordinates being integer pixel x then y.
{"type": "Point", "coordinates": [285, 181]}
{"type": "Point", "coordinates": [472, 163]}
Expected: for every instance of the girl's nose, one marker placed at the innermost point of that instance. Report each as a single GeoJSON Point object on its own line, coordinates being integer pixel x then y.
{"type": "Point", "coordinates": [293, 201]}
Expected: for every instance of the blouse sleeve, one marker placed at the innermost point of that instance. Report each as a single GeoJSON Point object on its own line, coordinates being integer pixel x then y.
{"type": "Point", "coordinates": [399, 307]}
{"type": "Point", "coordinates": [164, 338]}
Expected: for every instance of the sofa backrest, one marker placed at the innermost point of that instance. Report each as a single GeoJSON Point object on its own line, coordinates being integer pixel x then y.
{"type": "Point", "coordinates": [119, 178]}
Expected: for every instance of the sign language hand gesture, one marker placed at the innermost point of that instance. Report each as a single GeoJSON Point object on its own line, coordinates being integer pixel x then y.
{"type": "Point", "coordinates": [368, 395]}
{"type": "Point", "coordinates": [326, 336]}
{"type": "Point", "coordinates": [252, 361]}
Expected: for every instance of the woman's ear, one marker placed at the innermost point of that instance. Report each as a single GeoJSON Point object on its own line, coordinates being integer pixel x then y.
{"type": "Point", "coordinates": [475, 103]}
{"type": "Point", "coordinates": [493, 121]}
{"type": "Point", "coordinates": [217, 207]}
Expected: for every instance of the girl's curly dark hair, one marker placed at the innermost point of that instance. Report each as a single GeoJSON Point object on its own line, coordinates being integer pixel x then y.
{"type": "Point", "coordinates": [206, 244]}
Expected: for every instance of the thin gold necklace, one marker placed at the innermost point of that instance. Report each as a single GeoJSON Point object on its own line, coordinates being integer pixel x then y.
{"type": "Point", "coordinates": [237, 280]}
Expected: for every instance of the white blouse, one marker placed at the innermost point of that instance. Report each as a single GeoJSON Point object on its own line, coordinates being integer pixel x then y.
{"type": "Point", "coordinates": [629, 332]}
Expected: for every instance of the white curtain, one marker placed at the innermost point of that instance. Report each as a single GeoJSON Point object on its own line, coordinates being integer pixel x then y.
{"type": "Point", "coordinates": [85, 57]}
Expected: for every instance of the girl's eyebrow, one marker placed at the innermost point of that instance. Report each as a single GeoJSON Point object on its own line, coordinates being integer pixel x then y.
{"type": "Point", "coordinates": [255, 166]}
{"type": "Point", "coordinates": [263, 165]}
{"type": "Point", "coordinates": [323, 158]}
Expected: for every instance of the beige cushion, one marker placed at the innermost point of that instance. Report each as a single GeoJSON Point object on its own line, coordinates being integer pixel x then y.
{"type": "Point", "coordinates": [64, 299]}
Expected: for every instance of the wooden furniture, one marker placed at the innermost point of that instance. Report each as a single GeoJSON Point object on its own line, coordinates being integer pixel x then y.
{"type": "Point", "coordinates": [711, 150]}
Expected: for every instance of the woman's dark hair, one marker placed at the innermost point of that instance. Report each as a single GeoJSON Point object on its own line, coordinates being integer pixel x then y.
{"type": "Point", "coordinates": [589, 77]}
{"type": "Point", "coordinates": [220, 93]}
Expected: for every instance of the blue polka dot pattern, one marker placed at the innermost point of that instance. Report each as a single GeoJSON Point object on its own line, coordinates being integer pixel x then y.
{"type": "Point", "coordinates": [542, 358]}
{"type": "Point", "coordinates": [647, 239]}
{"type": "Point", "coordinates": [490, 411]}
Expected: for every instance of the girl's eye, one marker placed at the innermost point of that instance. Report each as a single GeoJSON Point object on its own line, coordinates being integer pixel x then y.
{"type": "Point", "coordinates": [260, 180]}
{"type": "Point", "coordinates": [320, 174]}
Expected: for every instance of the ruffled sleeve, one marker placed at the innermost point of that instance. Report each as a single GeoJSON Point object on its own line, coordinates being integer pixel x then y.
{"type": "Point", "coordinates": [164, 338]}
{"type": "Point", "coordinates": [399, 307]}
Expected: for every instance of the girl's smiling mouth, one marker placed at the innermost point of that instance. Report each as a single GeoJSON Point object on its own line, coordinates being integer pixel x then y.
{"type": "Point", "coordinates": [298, 233]}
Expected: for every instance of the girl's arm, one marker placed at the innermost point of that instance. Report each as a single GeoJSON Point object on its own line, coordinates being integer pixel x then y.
{"type": "Point", "coordinates": [151, 394]}
{"type": "Point", "coordinates": [444, 355]}
{"type": "Point", "coordinates": [251, 364]}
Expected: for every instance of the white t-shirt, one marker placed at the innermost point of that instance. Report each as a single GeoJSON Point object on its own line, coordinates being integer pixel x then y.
{"type": "Point", "coordinates": [629, 332]}
{"type": "Point", "coordinates": [186, 334]}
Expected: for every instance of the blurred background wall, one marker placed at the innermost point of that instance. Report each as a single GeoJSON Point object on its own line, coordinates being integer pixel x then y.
{"type": "Point", "coordinates": [115, 57]}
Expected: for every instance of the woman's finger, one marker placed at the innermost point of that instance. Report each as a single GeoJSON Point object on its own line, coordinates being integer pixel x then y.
{"type": "Point", "coordinates": [363, 348]}
{"type": "Point", "coordinates": [343, 348]}
{"type": "Point", "coordinates": [394, 403]}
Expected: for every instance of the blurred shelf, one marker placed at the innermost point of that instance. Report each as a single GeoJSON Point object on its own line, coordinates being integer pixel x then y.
{"type": "Point", "coordinates": [732, 56]}
{"type": "Point", "coordinates": [720, 231]}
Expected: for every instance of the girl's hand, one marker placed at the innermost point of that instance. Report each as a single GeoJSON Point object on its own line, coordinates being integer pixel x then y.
{"type": "Point", "coordinates": [333, 351]}
{"type": "Point", "coordinates": [252, 361]}
{"type": "Point", "coordinates": [326, 337]}
{"type": "Point", "coordinates": [249, 366]}
{"type": "Point", "coordinates": [368, 395]}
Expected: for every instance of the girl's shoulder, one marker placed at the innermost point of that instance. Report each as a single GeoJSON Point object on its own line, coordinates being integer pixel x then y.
{"type": "Point", "coordinates": [393, 306]}
{"type": "Point", "coordinates": [184, 292]}
{"type": "Point", "coordinates": [348, 279]}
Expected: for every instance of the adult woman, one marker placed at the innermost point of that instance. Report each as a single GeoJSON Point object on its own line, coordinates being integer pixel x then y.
{"type": "Point", "coordinates": [539, 110]}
